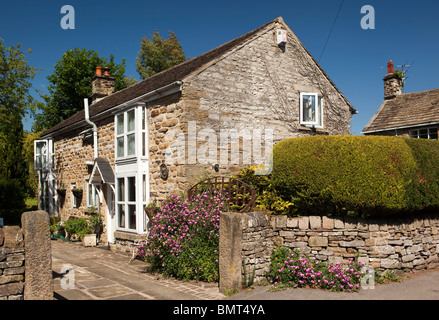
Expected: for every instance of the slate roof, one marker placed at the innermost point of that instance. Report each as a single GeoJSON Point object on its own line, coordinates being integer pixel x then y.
{"type": "Point", "coordinates": [102, 172]}
{"type": "Point", "coordinates": [405, 111]}
{"type": "Point", "coordinates": [166, 77]}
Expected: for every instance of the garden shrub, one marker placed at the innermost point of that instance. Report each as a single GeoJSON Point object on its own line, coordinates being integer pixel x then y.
{"type": "Point", "coordinates": [367, 175]}
{"type": "Point", "coordinates": [289, 269]}
{"type": "Point", "coordinates": [77, 226]}
{"type": "Point", "coordinates": [424, 189]}
{"type": "Point", "coordinates": [184, 237]}
{"type": "Point", "coordinates": [267, 198]}
{"type": "Point", "coordinates": [349, 175]}
{"type": "Point", "coordinates": [12, 203]}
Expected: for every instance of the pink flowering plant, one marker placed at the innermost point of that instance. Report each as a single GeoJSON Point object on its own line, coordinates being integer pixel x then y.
{"type": "Point", "coordinates": [183, 241]}
{"type": "Point", "coordinates": [289, 269]}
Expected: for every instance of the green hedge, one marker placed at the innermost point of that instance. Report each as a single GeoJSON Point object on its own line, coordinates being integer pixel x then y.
{"type": "Point", "coordinates": [367, 175]}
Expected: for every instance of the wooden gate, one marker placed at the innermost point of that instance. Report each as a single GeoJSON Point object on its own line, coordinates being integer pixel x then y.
{"type": "Point", "coordinates": [241, 195]}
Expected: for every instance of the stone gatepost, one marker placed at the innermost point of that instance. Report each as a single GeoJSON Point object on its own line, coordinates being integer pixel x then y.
{"type": "Point", "coordinates": [38, 256]}
{"type": "Point", "coordinates": [230, 251]}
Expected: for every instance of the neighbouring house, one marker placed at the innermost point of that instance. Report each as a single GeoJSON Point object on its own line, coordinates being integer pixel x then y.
{"type": "Point", "coordinates": [414, 115]}
{"type": "Point", "coordinates": [214, 113]}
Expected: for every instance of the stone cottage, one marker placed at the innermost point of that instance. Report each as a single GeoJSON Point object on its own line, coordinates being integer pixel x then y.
{"type": "Point", "coordinates": [414, 115]}
{"type": "Point", "coordinates": [214, 113]}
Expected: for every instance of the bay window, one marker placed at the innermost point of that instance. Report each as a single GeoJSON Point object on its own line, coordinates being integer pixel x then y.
{"type": "Point", "coordinates": [131, 169]}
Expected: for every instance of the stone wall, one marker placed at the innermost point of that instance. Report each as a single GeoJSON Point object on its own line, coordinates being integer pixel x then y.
{"type": "Point", "coordinates": [258, 85]}
{"type": "Point", "coordinates": [408, 244]}
{"type": "Point", "coordinates": [72, 151]}
{"type": "Point", "coordinates": [26, 259]}
{"type": "Point", "coordinates": [165, 121]}
{"type": "Point", "coordinates": [11, 263]}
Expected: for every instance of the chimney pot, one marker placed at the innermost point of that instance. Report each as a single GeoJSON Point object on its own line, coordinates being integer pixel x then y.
{"type": "Point", "coordinates": [99, 71]}
{"type": "Point", "coordinates": [392, 84]}
{"type": "Point", "coordinates": [101, 86]}
{"type": "Point", "coordinates": [390, 67]}
{"type": "Point", "coordinates": [106, 72]}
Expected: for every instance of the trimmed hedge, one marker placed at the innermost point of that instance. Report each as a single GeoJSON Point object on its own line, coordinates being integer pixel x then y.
{"type": "Point", "coordinates": [367, 175]}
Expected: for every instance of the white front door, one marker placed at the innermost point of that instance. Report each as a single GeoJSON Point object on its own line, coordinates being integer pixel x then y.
{"type": "Point", "coordinates": [111, 216]}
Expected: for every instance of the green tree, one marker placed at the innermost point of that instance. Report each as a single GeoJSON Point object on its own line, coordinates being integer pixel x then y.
{"type": "Point", "coordinates": [157, 54]}
{"type": "Point", "coordinates": [28, 155]}
{"type": "Point", "coordinates": [70, 83]}
{"type": "Point", "coordinates": [15, 102]}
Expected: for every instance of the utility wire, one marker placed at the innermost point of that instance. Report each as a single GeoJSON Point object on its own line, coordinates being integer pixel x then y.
{"type": "Point", "coordinates": [329, 35]}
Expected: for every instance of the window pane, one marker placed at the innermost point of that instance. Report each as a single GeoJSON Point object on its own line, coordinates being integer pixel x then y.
{"type": "Point", "coordinates": [130, 121]}
{"type": "Point", "coordinates": [90, 195]}
{"type": "Point", "coordinates": [38, 162]}
{"type": "Point", "coordinates": [320, 111]}
{"type": "Point", "coordinates": [131, 140]}
{"type": "Point", "coordinates": [120, 124]}
{"type": "Point", "coordinates": [132, 189]}
{"type": "Point", "coordinates": [120, 147]}
{"type": "Point", "coordinates": [143, 144]}
{"type": "Point", "coordinates": [121, 189]}
{"type": "Point", "coordinates": [143, 118]}
{"type": "Point", "coordinates": [121, 212]}
{"type": "Point", "coordinates": [433, 134]}
{"type": "Point", "coordinates": [144, 188]}
{"type": "Point", "coordinates": [40, 154]}
{"type": "Point", "coordinates": [41, 147]}
{"type": "Point", "coordinates": [309, 108]}
{"type": "Point", "coordinates": [132, 216]}
{"type": "Point", "coordinates": [423, 134]}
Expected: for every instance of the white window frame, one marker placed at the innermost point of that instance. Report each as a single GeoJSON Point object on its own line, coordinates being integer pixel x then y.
{"type": "Point", "coordinates": [137, 166]}
{"type": "Point", "coordinates": [415, 133]}
{"type": "Point", "coordinates": [42, 156]}
{"type": "Point", "coordinates": [74, 204]}
{"type": "Point", "coordinates": [94, 200]}
{"type": "Point", "coordinates": [126, 203]}
{"type": "Point", "coordinates": [126, 134]}
{"type": "Point", "coordinates": [318, 123]}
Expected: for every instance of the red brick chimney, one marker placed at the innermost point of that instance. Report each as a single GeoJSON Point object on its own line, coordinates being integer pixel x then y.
{"type": "Point", "coordinates": [392, 83]}
{"type": "Point", "coordinates": [101, 85]}
{"type": "Point", "coordinates": [390, 67]}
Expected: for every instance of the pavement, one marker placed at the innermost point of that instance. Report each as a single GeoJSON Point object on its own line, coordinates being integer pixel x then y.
{"type": "Point", "coordinates": [96, 273]}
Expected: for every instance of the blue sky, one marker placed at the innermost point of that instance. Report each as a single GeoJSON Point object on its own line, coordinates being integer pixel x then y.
{"type": "Point", "coordinates": [355, 59]}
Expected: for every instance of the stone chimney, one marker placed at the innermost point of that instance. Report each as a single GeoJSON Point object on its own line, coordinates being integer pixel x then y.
{"type": "Point", "coordinates": [392, 83]}
{"type": "Point", "coordinates": [101, 85]}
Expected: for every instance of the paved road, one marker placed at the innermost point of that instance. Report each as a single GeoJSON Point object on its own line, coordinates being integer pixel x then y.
{"type": "Point", "coordinates": [99, 274]}
{"type": "Point", "coordinates": [420, 286]}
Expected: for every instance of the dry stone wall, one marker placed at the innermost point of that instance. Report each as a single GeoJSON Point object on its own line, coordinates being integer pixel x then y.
{"type": "Point", "coordinates": [11, 263]}
{"type": "Point", "coordinates": [26, 259]}
{"type": "Point", "coordinates": [407, 244]}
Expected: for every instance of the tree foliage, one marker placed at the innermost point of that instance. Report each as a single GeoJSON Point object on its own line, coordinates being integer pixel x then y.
{"type": "Point", "coordinates": [70, 83]}
{"type": "Point", "coordinates": [15, 102]}
{"type": "Point", "coordinates": [158, 54]}
{"type": "Point", "coordinates": [28, 155]}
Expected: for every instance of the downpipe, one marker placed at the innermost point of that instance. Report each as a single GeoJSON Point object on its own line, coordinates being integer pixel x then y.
{"type": "Point", "coordinates": [95, 128]}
